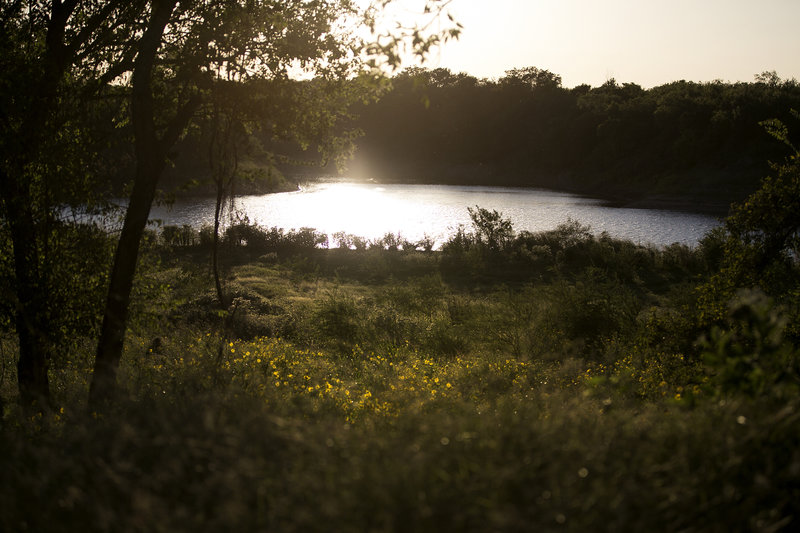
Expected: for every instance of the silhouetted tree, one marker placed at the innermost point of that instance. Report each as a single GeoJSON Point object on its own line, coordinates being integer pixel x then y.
{"type": "Point", "coordinates": [51, 54]}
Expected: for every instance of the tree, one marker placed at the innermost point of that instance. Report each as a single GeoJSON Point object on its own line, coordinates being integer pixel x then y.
{"type": "Point", "coordinates": [491, 229]}
{"type": "Point", "coordinates": [226, 132]}
{"type": "Point", "coordinates": [269, 120]}
{"type": "Point", "coordinates": [752, 303]}
{"type": "Point", "coordinates": [761, 242]}
{"type": "Point", "coordinates": [532, 78]}
{"type": "Point", "coordinates": [51, 53]}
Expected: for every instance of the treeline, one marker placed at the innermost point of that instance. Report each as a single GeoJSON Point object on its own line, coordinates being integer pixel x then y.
{"type": "Point", "coordinates": [264, 127]}
{"type": "Point", "coordinates": [697, 145]}
{"type": "Point", "coordinates": [700, 142]}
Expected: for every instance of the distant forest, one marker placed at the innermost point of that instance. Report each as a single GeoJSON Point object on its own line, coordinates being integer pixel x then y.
{"type": "Point", "coordinates": [697, 146]}
{"type": "Point", "coordinates": [699, 143]}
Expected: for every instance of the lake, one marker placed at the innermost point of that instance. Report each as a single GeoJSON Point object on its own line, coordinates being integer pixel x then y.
{"type": "Point", "coordinates": [371, 210]}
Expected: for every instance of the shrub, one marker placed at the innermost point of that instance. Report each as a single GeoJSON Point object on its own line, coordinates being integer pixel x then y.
{"type": "Point", "coordinates": [491, 229]}
{"type": "Point", "coordinates": [750, 355]}
{"type": "Point", "coordinates": [338, 317]}
{"type": "Point", "coordinates": [261, 240]}
{"type": "Point", "coordinates": [183, 235]}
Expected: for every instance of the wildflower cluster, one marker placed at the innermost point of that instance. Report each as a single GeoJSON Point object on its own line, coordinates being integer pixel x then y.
{"type": "Point", "coordinates": [363, 384]}
{"type": "Point", "coordinates": [649, 376]}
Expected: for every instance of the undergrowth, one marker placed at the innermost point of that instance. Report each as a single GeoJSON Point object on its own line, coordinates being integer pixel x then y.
{"type": "Point", "coordinates": [559, 381]}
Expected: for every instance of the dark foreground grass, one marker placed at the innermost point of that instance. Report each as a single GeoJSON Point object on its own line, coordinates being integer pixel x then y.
{"type": "Point", "coordinates": [372, 390]}
{"type": "Point", "coordinates": [278, 438]}
{"type": "Point", "coordinates": [532, 457]}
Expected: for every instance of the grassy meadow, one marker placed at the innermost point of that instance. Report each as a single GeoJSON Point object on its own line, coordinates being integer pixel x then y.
{"type": "Point", "coordinates": [507, 382]}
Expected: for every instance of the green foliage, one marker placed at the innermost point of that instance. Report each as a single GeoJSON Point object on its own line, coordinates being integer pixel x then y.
{"type": "Point", "coordinates": [159, 61]}
{"type": "Point", "coordinates": [338, 319]}
{"type": "Point", "coordinates": [682, 143]}
{"type": "Point", "coordinates": [491, 229]}
{"type": "Point", "coordinates": [237, 439]}
{"type": "Point", "coordinates": [76, 266]}
{"type": "Point", "coordinates": [750, 354]}
{"type": "Point", "coordinates": [569, 250]}
{"type": "Point", "coordinates": [405, 383]}
{"type": "Point", "coordinates": [260, 240]}
{"type": "Point", "coordinates": [179, 236]}
{"type": "Point", "coordinates": [591, 308]}
{"type": "Point", "coordinates": [345, 241]}
{"type": "Point", "coordinates": [759, 245]}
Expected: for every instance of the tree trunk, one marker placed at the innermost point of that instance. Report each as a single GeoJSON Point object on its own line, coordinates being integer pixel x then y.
{"type": "Point", "coordinates": [30, 302]}
{"type": "Point", "coordinates": [223, 304]}
{"type": "Point", "coordinates": [223, 161]}
{"type": "Point", "coordinates": [150, 162]}
{"type": "Point", "coordinates": [34, 353]}
{"type": "Point", "coordinates": [30, 285]}
{"type": "Point", "coordinates": [33, 363]}
{"type": "Point", "coordinates": [149, 165]}
{"type": "Point", "coordinates": [115, 319]}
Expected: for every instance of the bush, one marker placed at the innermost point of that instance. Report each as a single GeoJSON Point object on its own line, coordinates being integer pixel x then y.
{"type": "Point", "coordinates": [750, 355]}
{"type": "Point", "coordinates": [338, 317]}
{"type": "Point", "coordinates": [183, 235]}
{"type": "Point", "coordinates": [491, 229]}
{"type": "Point", "coordinates": [261, 240]}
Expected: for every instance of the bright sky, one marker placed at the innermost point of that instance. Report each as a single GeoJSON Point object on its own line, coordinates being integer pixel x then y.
{"type": "Point", "coordinates": [649, 42]}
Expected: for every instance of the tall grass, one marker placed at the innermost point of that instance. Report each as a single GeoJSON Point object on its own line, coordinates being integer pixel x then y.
{"type": "Point", "coordinates": [557, 382]}
{"type": "Point", "coordinates": [277, 437]}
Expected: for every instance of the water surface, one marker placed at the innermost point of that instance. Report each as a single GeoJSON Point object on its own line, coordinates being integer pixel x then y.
{"type": "Point", "coordinates": [371, 210]}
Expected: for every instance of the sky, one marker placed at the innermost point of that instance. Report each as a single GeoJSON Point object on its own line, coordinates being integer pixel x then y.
{"type": "Point", "coordinates": [649, 42]}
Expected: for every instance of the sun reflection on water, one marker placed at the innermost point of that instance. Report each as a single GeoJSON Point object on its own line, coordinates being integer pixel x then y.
{"type": "Point", "coordinates": [415, 211]}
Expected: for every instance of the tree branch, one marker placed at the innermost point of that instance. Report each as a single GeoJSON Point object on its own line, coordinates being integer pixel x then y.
{"type": "Point", "coordinates": [178, 123]}
{"type": "Point", "coordinates": [93, 23]}
{"type": "Point", "coordinates": [10, 11]}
